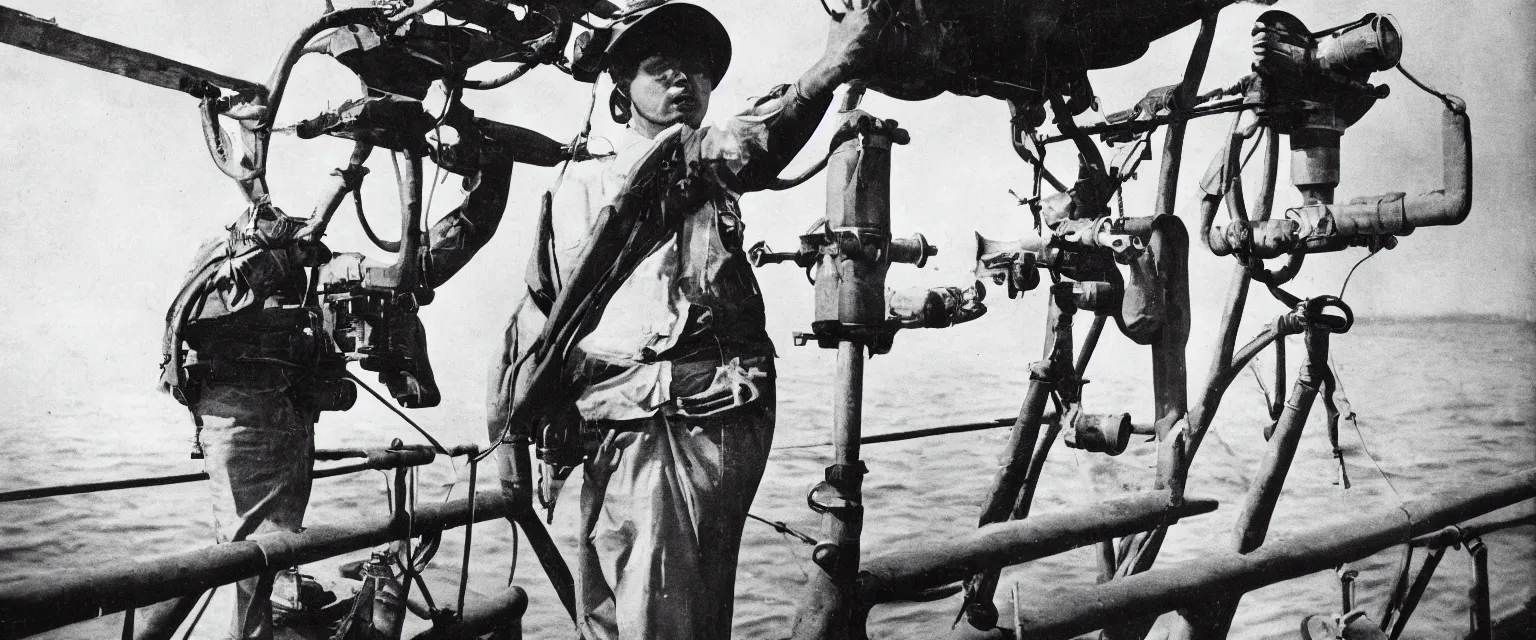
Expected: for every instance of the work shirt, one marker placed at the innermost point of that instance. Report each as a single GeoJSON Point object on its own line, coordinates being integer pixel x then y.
{"type": "Point", "coordinates": [689, 322]}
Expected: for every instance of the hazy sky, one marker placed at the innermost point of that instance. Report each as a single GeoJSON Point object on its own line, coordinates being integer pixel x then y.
{"type": "Point", "coordinates": [109, 188]}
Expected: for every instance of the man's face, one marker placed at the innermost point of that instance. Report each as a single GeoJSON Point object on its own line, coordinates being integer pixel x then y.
{"type": "Point", "coordinates": [671, 88]}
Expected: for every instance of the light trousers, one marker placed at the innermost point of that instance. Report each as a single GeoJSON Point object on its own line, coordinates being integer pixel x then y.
{"type": "Point", "coordinates": [663, 505]}
{"type": "Point", "coordinates": [259, 453]}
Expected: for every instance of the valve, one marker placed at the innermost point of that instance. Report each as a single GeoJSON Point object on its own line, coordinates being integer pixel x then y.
{"type": "Point", "coordinates": [914, 250]}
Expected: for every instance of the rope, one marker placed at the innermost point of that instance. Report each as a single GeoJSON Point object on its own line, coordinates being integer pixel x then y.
{"type": "Point", "coordinates": [435, 444]}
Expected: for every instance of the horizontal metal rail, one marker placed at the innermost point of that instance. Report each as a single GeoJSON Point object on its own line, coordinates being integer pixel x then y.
{"type": "Point", "coordinates": [377, 459]}
{"type": "Point", "coordinates": [1068, 612]}
{"type": "Point", "coordinates": [1000, 423]}
{"type": "Point", "coordinates": [1480, 526]}
{"type": "Point", "coordinates": [66, 597]}
{"type": "Point", "coordinates": [906, 572]}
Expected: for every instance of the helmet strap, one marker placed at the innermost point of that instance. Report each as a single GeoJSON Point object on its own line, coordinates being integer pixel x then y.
{"type": "Point", "coordinates": [619, 106]}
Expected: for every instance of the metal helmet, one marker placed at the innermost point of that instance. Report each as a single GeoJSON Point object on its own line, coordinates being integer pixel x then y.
{"type": "Point", "coordinates": [671, 25]}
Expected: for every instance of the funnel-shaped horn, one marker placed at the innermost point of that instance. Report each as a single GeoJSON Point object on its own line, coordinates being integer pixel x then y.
{"type": "Point", "coordinates": [1008, 261]}
{"type": "Point", "coordinates": [1372, 43]}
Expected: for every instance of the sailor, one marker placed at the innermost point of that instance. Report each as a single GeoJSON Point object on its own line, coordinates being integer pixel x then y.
{"type": "Point", "coordinates": [249, 357]}
{"type": "Point", "coordinates": [677, 376]}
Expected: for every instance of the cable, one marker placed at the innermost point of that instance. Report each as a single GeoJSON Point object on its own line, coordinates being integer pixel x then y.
{"type": "Point", "coordinates": [1339, 384]}
{"type": "Point", "coordinates": [1351, 273]}
{"type": "Point", "coordinates": [435, 444]}
{"type": "Point", "coordinates": [784, 529]}
{"type": "Point", "coordinates": [1427, 89]}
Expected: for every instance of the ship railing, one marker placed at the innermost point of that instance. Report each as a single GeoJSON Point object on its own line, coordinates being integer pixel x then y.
{"type": "Point", "coordinates": [71, 596]}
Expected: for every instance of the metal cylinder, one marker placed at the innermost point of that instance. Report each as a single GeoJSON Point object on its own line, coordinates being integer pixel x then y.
{"type": "Point", "coordinates": [1373, 43]}
{"type": "Point", "coordinates": [859, 215]}
{"type": "Point", "coordinates": [1100, 433]}
{"type": "Point", "coordinates": [1315, 160]}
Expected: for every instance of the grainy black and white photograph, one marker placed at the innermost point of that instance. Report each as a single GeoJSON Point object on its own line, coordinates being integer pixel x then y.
{"type": "Point", "coordinates": [768, 319]}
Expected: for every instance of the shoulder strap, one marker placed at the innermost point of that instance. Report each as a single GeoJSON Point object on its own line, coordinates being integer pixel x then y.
{"type": "Point", "coordinates": [543, 275]}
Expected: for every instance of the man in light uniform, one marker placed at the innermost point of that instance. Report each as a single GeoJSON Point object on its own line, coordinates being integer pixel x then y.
{"type": "Point", "coordinates": [678, 374]}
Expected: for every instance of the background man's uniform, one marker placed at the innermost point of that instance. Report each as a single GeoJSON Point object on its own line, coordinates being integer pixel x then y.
{"type": "Point", "coordinates": [247, 346]}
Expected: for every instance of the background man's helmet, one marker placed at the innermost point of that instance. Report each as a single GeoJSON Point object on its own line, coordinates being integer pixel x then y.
{"type": "Point", "coordinates": [670, 27]}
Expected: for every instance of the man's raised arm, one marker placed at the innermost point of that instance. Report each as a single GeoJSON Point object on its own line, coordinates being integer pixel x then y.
{"type": "Point", "coordinates": [754, 146]}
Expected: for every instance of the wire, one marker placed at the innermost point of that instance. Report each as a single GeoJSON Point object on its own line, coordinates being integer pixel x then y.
{"type": "Point", "coordinates": [435, 444]}
{"type": "Point", "coordinates": [1339, 384]}
{"type": "Point", "coordinates": [1351, 273]}
{"type": "Point", "coordinates": [1427, 89]}
{"type": "Point", "coordinates": [784, 529]}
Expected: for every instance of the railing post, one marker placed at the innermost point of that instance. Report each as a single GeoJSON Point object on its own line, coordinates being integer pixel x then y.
{"type": "Point", "coordinates": [853, 256]}
{"type": "Point", "coordinates": [1482, 615]}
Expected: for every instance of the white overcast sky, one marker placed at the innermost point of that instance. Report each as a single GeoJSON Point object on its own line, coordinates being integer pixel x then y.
{"type": "Point", "coordinates": [108, 188]}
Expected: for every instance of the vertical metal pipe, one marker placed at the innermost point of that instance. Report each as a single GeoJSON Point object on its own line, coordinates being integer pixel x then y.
{"type": "Point", "coordinates": [831, 609]}
{"type": "Point", "coordinates": [1416, 592]}
{"type": "Point", "coordinates": [1221, 361]}
{"type": "Point", "coordinates": [1106, 548]}
{"type": "Point", "coordinates": [848, 404]}
{"type": "Point", "coordinates": [469, 531]}
{"type": "Point", "coordinates": [1170, 383]}
{"type": "Point", "coordinates": [1173, 143]}
{"type": "Point", "coordinates": [1346, 589]}
{"type": "Point", "coordinates": [1008, 497]}
{"type": "Point", "coordinates": [1482, 615]}
{"type": "Point", "coordinates": [1169, 246]}
{"type": "Point", "coordinates": [1108, 562]}
{"type": "Point", "coordinates": [845, 525]}
{"type": "Point", "coordinates": [1090, 343]}
{"type": "Point", "coordinates": [1259, 505]}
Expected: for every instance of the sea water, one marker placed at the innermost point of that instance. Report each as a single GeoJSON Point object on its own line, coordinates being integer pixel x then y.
{"type": "Point", "coordinates": [1440, 404]}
